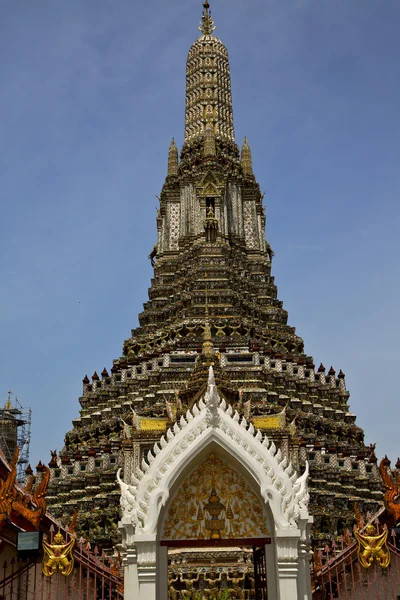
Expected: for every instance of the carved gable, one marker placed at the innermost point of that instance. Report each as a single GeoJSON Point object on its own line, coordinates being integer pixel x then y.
{"type": "Point", "coordinates": [213, 422]}
{"type": "Point", "coordinates": [210, 185]}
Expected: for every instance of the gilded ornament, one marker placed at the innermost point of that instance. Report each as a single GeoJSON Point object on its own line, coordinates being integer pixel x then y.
{"type": "Point", "coordinates": [13, 498]}
{"type": "Point", "coordinates": [214, 507]}
{"type": "Point", "coordinates": [152, 424]}
{"type": "Point", "coordinates": [372, 546]}
{"type": "Point", "coordinates": [207, 24]}
{"type": "Point", "coordinates": [270, 421]}
{"type": "Point", "coordinates": [58, 556]}
{"type": "Point", "coordinates": [392, 486]}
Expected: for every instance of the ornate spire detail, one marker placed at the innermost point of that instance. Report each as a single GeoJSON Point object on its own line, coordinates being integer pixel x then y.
{"type": "Point", "coordinates": [209, 141]}
{"type": "Point", "coordinates": [247, 162]}
{"type": "Point", "coordinates": [212, 400]}
{"type": "Point", "coordinates": [207, 337]}
{"type": "Point", "coordinates": [173, 159]}
{"type": "Point", "coordinates": [208, 85]}
{"type": "Point", "coordinates": [207, 24]}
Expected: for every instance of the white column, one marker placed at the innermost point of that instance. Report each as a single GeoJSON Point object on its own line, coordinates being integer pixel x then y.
{"type": "Point", "coordinates": [270, 560]}
{"type": "Point", "coordinates": [304, 577]}
{"type": "Point", "coordinates": [162, 573]}
{"type": "Point", "coordinates": [131, 582]}
{"type": "Point", "coordinates": [146, 547]}
{"type": "Point", "coordinates": [287, 558]}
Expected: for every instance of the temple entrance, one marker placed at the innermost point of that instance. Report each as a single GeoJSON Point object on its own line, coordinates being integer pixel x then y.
{"type": "Point", "coordinates": [214, 528]}
{"type": "Point", "coordinates": [215, 504]}
{"type": "Point", "coordinates": [218, 571]}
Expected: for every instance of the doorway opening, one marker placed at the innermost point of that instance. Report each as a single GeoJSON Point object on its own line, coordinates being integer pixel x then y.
{"type": "Point", "coordinates": [230, 569]}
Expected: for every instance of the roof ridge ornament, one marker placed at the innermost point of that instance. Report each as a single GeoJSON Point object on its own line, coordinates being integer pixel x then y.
{"type": "Point", "coordinates": [207, 25]}
{"type": "Point", "coordinates": [212, 400]}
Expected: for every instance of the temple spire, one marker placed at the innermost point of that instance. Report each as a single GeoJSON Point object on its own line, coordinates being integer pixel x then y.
{"type": "Point", "coordinates": [173, 159]}
{"type": "Point", "coordinates": [208, 85]}
{"type": "Point", "coordinates": [8, 405]}
{"type": "Point", "coordinates": [207, 24]}
{"type": "Point", "coordinates": [247, 162]}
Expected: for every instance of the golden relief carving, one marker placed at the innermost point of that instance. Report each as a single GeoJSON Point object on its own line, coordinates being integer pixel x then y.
{"type": "Point", "coordinates": [215, 508]}
{"type": "Point", "coordinates": [270, 422]}
{"type": "Point", "coordinates": [372, 546]}
{"type": "Point", "coordinates": [277, 421]}
{"type": "Point", "coordinates": [214, 502]}
{"type": "Point", "coordinates": [58, 556]}
{"type": "Point", "coordinates": [152, 424]}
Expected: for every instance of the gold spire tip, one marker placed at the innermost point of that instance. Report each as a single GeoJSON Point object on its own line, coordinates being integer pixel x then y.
{"type": "Point", "coordinates": [207, 25]}
{"type": "Point", "coordinates": [8, 405]}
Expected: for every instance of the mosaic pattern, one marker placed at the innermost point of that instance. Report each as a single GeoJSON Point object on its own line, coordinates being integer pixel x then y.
{"type": "Point", "coordinates": [174, 216]}
{"type": "Point", "coordinates": [249, 225]}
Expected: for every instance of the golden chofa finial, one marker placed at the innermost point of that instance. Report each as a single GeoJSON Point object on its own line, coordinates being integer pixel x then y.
{"type": "Point", "coordinates": [207, 24]}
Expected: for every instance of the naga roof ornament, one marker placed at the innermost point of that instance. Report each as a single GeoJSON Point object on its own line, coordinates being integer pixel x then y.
{"type": "Point", "coordinates": [391, 483]}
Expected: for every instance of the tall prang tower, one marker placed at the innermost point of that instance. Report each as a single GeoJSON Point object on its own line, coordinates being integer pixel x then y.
{"type": "Point", "coordinates": [212, 301]}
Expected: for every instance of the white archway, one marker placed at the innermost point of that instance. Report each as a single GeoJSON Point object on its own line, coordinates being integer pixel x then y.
{"type": "Point", "coordinates": [212, 422]}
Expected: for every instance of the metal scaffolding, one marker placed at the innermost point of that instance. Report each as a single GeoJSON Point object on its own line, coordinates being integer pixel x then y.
{"type": "Point", "coordinates": [15, 431]}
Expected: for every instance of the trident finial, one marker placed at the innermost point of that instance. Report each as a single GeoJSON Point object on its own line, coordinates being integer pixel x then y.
{"type": "Point", "coordinates": [207, 24]}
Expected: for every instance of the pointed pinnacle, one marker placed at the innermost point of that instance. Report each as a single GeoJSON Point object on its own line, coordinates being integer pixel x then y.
{"type": "Point", "coordinates": [207, 24]}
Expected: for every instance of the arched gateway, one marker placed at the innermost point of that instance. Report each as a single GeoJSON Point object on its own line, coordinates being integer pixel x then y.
{"type": "Point", "coordinates": [215, 480]}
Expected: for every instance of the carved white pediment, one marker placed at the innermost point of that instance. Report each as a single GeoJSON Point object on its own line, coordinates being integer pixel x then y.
{"type": "Point", "coordinates": [213, 421]}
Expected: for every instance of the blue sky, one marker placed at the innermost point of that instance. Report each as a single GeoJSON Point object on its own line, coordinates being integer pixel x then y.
{"type": "Point", "coordinates": [90, 95]}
